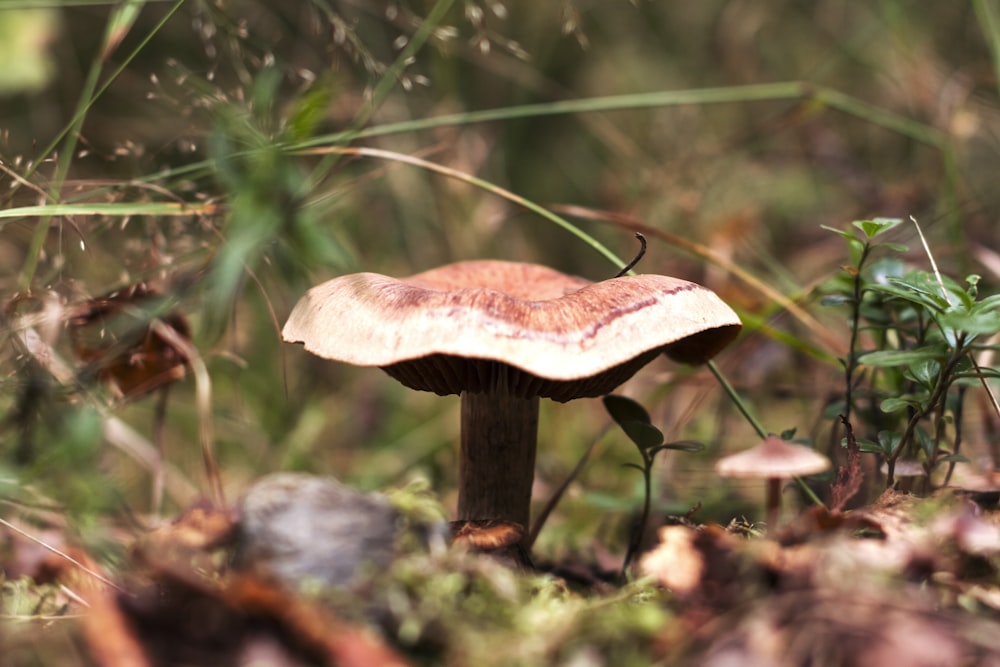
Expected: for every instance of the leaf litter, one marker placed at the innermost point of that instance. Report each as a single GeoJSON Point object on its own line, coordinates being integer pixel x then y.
{"type": "Point", "coordinates": [905, 581]}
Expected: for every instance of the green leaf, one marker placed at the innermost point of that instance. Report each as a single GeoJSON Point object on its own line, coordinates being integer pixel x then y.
{"type": "Point", "coordinates": [788, 433]}
{"type": "Point", "coordinates": [623, 409]}
{"type": "Point", "coordinates": [925, 372]}
{"type": "Point", "coordinates": [865, 445]}
{"type": "Point", "coordinates": [872, 228]}
{"type": "Point", "coordinates": [977, 322]}
{"type": "Point", "coordinates": [643, 434]}
{"type": "Point", "coordinates": [889, 441]}
{"type": "Point", "coordinates": [942, 288]}
{"type": "Point", "coordinates": [931, 300]}
{"type": "Point", "coordinates": [834, 410]}
{"type": "Point", "coordinates": [983, 372]}
{"type": "Point", "coordinates": [120, 210]}
{"type": "Point", "coordinates": [122, 18]}
{"type": "Point", "coordinates": [835, 300]}
{"type": "Point", "coordinates": [889, 358]}
{"type": "Point", "coordinates": [840, 232]}
{"type": "Point", "coordinates": [925, 441]}
{"type": "Point", "coordinates": [310, 111]}
{"type": "Point", "coordinates": [634, 420]}
{"type": "Point", "coordinates": [264, 91]}
{"type": "Point", "coordinates": [857, 246]}
{"type": "Point", "coordinates": [884, 268]}
{"type": "Point", "coordinates": [680, 445]}
{"type": "Point", "coordinates": [890, 405]}
{"type": "Point", "coordinates": [989, 303]}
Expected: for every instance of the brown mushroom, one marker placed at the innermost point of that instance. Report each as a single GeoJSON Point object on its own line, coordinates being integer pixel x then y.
{"type": "Point", "coordinates": [503, 334]}
{"type": "Point", "coordinates": [774, 460]}
{"type": "Point", "coordinates": [904, 468]}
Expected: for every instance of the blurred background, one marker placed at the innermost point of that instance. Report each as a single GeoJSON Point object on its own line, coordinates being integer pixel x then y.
{"type": "Point", "coordinates": [205, 129]}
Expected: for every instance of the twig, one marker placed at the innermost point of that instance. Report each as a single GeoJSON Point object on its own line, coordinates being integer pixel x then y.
{"type": "Point", "coordinates": [380, 154]}
{"type": "Point", "coordinates": [203, 394]}
{"type": "Point", "coordinates": [849, 476]}
{"type": "Point", "coordinates": [114, 430]}
{"type": "Point", "coordinates": [930, 256]}
{"type": "Point", "coordinates": [557, 495]}
{"type": "Point", "coordinates": [159, 440]}
{"type": "Point", "coordinates": [832, 345]}
{"type": "Point", "coordinates": [736, 399]}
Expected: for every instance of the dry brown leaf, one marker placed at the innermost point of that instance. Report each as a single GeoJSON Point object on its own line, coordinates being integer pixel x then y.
{"type": "Point", "coordinates": [675, 562]}
{"type": "Point", "coordinates": [124, 350]}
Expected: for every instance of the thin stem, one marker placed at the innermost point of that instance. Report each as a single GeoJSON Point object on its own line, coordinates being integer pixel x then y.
{"type": "Point", "coordinates": [546, 510]}
{"type": "Point", "coordinates": [938, 394]}
{"type": "Point", "coordinates": [989, 23]}
{"type": "Point", "coordinates": [387, 82]}
{"type": "Point", "coordinates": [782, 90]}
{"type": "Point", "coordinates": [745, 411]}
{"type": "Point", "coordinates": [831, 342]}
{"type": "Point", "coordinates": [90, 95]}
{"type": "Point", "coordinates": [786, 90]}
{"type": "Point", "coordinates": [635, 539]}
{"type": "Point", "coordinates": [993, 402]}
{"type": "Point", "coordinates": [635, 260]}
{"type": "Point", "coordinates": [45, 545]}
{"type": "Point", "coordinates": [736, 399]}
{"type": "Point", "coordinates": [772, 503]}
{"type": "Point", "coordinates": [203, 398]}
{"type": "Point", "coordinates": [159, 439]}
{"type": "Point", "coordinates": [478, 182]}
{"type": "Point", "coordinates": [930, 256]}
{"type": "Point", "coordinates": [851, 362]}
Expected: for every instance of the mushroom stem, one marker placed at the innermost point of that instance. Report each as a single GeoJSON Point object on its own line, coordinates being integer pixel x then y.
{"type": "Point", "coordinates": [772, 503]}
{"type": "Point", "coordinates": [497, 464]}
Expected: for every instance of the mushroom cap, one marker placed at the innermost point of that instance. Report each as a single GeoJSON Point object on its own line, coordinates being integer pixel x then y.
{"type": "Point", "coordinates": [772, 458]}
{"type": "Point", "coordinates": [988, 481]}
{"type": "Point", "coordinates": [510, 327]}
{"type": "Point", "coordinates": [904, 468]}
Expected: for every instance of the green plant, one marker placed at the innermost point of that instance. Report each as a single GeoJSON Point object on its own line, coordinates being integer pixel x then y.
{"type": "Point", "coordinates": [635, 422]}
{"type": "Point", "coordinates": [910, 360]}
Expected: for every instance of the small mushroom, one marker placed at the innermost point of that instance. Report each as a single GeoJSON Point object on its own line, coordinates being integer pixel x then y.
{"type": "Point", "coordinates": [774, 460]}
{"type": "Point", "coordinates": [503, 334]}
{"type": "Point", "coordinates": [982, 488]}
{"type": "Point", "coordinates": [904, 468]}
